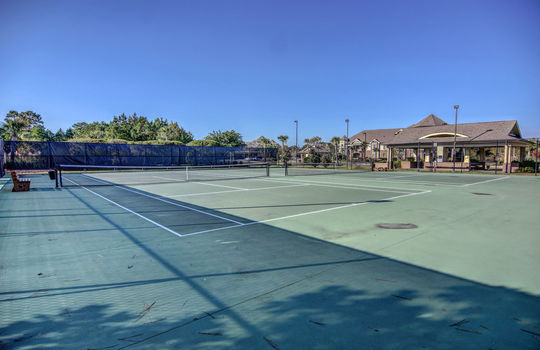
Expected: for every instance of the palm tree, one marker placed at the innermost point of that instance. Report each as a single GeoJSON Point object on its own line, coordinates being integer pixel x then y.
{"type": "Point", "coordinates": [335, 140]}
{"type": "Point", "coordinates": [265, 142]}
{"type": "Point", "coordinates": [283, 139]}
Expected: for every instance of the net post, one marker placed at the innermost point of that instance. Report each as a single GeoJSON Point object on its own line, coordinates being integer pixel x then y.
{"type": "Point", "coordinates": [187, 173]}
{"type": "Point", "coordinates": [267, 169]}
{"type": "Point", "coordinates": [60, 176]}
{"type": "Point", "coordinates": [286, 168]}
{"type": "Point", "coordinates": [56, 176]}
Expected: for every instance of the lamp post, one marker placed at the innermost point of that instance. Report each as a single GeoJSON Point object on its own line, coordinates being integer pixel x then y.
{"type": "Point", "coordinates": [456, 107]}
{"type": "Point", "coordinates": [347, 144]}
{"type": "Point", "coordinates": [296, 150]}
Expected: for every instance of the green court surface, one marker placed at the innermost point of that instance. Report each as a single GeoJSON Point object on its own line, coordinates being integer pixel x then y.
{"type": "Point", "coordinates": [348, 261]}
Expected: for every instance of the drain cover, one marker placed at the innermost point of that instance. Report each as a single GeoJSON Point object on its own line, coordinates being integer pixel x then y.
{"type": "Point", "coordinates": [482, 194]}
{"type": "Point", "coordinates": [396, 226]}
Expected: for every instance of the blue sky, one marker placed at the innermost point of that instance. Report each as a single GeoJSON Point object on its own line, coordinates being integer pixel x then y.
{"type": "Point", "coordinates": [256, 66]}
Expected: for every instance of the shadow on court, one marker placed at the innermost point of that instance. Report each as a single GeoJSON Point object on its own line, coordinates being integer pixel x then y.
{"type": "Point", "coordinates": [254, 286]}
{"type": "Point", "coordinates": [328, 316]}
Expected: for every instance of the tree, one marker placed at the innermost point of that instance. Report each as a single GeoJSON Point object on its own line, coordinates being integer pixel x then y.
{"type": "Point", "coordinates": [313, 157]}
{"type": "Point", "coordinates": [69, 134]}
{"type": "Point", "coordinates": [228, 138]}
{"type": "Point", "coordinates": [59, 136]}
{"type": "Point", "coordinates": [13, 129]}
{"type": "Point", "coordinates": [79, 130]}
{"type": "Point", "coordinates": [335, 142]}
{"type": "Point", "coordinates": [283, 139]}
{"type": "Point", "coordinates": [28, 118]}
{"type": "Point", "coordinates": [39, 133]}
{"type": "Point", "coordinates": [18, 125]}
{"type": "Point", "coordinates": [139, 129]}
{"type": "Point", "coordinates": [284, 154]}
{"type": "Point", "coordinates": [173, 132]}
{"type": "Point", "coordinates": [266, 142]}
{"type": "Point", "coordinates": [203, 143]}
{"type": "Point", "coordinates": [326, 158]}
{"type": "Point", "coordinates": [94, 130]}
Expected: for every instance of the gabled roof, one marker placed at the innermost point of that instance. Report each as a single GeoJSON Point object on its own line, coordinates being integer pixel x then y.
{"type": "Point", "coordinates": [321, 147]}
{"type": "Point", "coordinates": [382, 135]}
{"type": "Point", "coordinates": [257, 143]}
{"type": "Point", "coordinates": [430, 120]}
{"type": "Point", "coordinates": [487, 131]}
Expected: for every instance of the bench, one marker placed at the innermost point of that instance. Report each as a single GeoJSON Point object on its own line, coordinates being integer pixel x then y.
{"type": "Point", "coordinates": [380, 166]}
{"type": "Point", "coordinates": [19, 184]}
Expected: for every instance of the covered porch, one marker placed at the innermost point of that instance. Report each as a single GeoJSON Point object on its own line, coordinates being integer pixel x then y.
{"type": "Point", "coordinates": [498, 156]}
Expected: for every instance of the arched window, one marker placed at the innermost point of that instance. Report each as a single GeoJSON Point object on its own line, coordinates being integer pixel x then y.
{"type": "Point", "coordinates": [441, 134]}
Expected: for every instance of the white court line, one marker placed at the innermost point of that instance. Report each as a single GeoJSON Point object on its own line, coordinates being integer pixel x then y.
{"type": "Point", "coordinates": [397, 176]}
{"type": "Point", "coordinates": [481, 182]}
{"type": "Point", "coordinates": [129, 210]}
{"type": "Point", "coordinates": [307, 213]}
{"type": "Point", "coordinates": [216, 185]}
{"type": "Point", "coordinates": [166, 201]}
{"type": "Point", "coordinates": [168, 178]}
{"type": "Point", "coordinates": [388, 179]}
{"type": "Point", "coordinates": [245, 189]}
{"type": "Point", "coordinates": [350, 186]}
{"type": "Point", "coordinates": [201, 183]}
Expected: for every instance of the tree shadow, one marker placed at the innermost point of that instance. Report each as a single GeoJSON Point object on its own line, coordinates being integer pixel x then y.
{"type": "Point", "coordinates": [272, 288]}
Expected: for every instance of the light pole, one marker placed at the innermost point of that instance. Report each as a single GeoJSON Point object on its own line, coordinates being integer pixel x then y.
{"type": "Point", "coordinates": [296, 150]}
{"type": "Point", "coordinates": [347, 144]}
{"type": "Point", "coordinates": [456, 107]}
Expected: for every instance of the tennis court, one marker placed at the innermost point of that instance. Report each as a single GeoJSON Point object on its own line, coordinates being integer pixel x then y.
{"type": "Point", "coordinates": [174, 259]}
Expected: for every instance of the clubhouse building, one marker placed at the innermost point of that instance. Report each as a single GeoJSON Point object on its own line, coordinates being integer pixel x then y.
{"type": "Point", "coordinates": [429, 144]}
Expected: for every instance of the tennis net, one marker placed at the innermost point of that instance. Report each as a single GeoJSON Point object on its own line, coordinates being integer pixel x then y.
{"type": "Point", "coordinates": [306, 169]}
{"type": "Point", "coordinates": [96, 175]}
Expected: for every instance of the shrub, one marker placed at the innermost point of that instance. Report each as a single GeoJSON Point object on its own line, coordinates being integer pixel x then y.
{"type": "Point", "coordinates": [526, 169]}
{"type": "Point", "coordinates": [527, 164]}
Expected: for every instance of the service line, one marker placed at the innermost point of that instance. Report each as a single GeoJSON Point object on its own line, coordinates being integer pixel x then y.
{"type": "Point", "coordinates": [306, 213]}
{"type": "Point", "coordinates": [241, 190]}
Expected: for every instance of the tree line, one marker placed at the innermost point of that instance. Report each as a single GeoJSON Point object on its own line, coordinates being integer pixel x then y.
{"type": "Point", "coordinates": [29, 126]}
